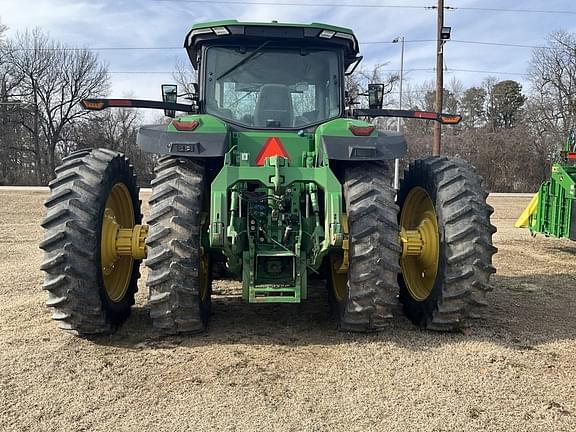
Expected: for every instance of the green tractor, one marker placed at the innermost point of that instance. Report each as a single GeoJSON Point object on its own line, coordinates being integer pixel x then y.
{"type": "Point", "coordinates": [272, 174]}
{"type": "Point", "coordinates": [552, 210]}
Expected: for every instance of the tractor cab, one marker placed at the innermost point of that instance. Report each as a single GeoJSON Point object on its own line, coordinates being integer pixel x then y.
{"type": "Point", "coordinates": [271, 76]}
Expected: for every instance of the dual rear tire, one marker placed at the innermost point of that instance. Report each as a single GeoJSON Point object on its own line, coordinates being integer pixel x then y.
{"type": "Point", "coordinates": [442, 283]}
{"type": "Point", "coordinates": [364, 298]}
{"type": "Point", "coordinates": [179, 270]}
{"type": "Point", "coordinates": [90, 288]}
{"type": "Point", "coordinates": [448, 195]}
{"type": "Point", "coordinates": [93, 190]}
{"type": "Point", "coordinates": [442, 286]}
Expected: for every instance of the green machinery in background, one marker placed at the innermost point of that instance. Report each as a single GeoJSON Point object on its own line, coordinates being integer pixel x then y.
{"type": "Point", "coordinates": [552, 210]}
{"type": "Point", "coordinates": [272, 173]}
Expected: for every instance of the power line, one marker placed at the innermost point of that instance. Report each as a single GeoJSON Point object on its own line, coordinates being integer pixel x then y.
{"type": "Point", "coordinates": [144, 72]}
{"type": "Point", "coordinates": [364, 5]}
{"type": "Point", "coordinates": [166, 48]}
{"type": "Point", "coordinates": [541, 11]}
{"type": "Point", "coordinates": [165, 72]}
{"type": "Point", "coordinates": [125, 48]}
{"type": "Point", "coordinates": [487, 72]}
{"type": "Point", "coordinates": [268, 3]}
{"type": "Point", "coordinates": [501, 44]}
{"type": "Point", "coordinates": [99, 48]}
{"type": "Point", "coordinates": [448, 70]}
{"type": "Point", "coordinates": [390, 42]}
{"type": "Point", "coordinates": [141, 72]}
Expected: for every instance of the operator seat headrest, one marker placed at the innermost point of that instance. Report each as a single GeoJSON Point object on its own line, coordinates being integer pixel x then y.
{"type": "Point", "coordinates": [274, 103]}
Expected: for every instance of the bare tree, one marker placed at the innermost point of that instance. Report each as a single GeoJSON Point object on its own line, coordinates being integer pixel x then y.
{"type": "Point", "coordinates": [553, 77]}
{"type": "Point", "coordinates": [17, 155]}
{"type": "Point", "coordinates": [356, 83]}
{"type": "Point", "coordinates": [55, 79]}
{"type": "Point", "coordinates": [356, 86]}
{"type": "Point", "coordinates": [185, 75]}
{"type": "Point", "coordinates": [3, 28]}
{"type": "Point", "coordinates": [421, 98]}
{"type": "Point", "coordinates": [115, 129]}
{"type": "Point", "coordinates": [473, 107]}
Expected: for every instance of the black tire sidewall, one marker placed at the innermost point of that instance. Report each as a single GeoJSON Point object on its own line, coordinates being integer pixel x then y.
{"type": "Point", "coordinates": [179, 197]}
{"type": "Point", "coordinates": [371, 298]}
{"type": "Point", "coordinates": [117, 171]}
{"type": "Point", "coordinates": [421, 312]}
{"type": "Point", "coordinates": [337, 307]}
{"type": "Point", "coordinates": [206, 303]}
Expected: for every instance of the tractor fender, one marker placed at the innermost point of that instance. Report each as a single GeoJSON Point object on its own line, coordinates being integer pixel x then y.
{"type": "Point", "coordinates": [384, 146]}
{"type": "Point", "coordinates": [156, 139]}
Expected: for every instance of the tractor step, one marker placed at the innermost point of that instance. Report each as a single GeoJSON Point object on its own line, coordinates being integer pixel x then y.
{"type": "Point", "coordinates": [274, 276]}
{"type": "Point", "coordinates": [271, 294]}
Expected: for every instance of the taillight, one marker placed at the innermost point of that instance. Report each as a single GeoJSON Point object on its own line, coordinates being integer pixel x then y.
{"type": "Point", "coordinates": [361, 130]}
{"type": "Point", "coordinates": [450, 119]}
{"type": "Point", "coordinates": [568, 155]}
{"type": "Point", "coordinates": [426, 115]}
{"type": "Point", "coordinates": [92, 105]}
{"type": "Point", "coordinates": [185, 126]}
{"type": "Point", "coordinates": [119, 102]}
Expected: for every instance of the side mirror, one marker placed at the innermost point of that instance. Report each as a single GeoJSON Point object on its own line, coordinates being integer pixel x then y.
{"type": "Point", "coordinates": [170, 95]}
{"type": "Point", "coordinates": [375, 96]}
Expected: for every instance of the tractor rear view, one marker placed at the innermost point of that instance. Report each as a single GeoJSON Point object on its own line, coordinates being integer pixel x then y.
{"type": "Point", "coordinates": [271, 173]}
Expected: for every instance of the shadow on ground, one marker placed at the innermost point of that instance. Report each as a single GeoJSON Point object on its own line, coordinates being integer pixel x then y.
{"type": "Point", "coordinates": [525, 311]}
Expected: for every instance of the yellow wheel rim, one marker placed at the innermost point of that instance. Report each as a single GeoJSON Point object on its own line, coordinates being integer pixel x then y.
{"type": "Point", "coordinates": [203, 275]}
{"type": "Point", "coordinates": [339, 280]}
{"type": "Point", "coordinates": [116, 270]}
{"type": "Point", "coordinates": [421, 243]}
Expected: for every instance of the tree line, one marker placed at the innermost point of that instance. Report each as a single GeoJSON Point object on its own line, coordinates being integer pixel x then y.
{"type": "Point", "coordinates": [42, 83]}
{"type": "Point", "coordinates": [511, 135]}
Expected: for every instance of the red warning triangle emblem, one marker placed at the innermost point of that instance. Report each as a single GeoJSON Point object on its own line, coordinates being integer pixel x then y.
{"type": "Point", "coordinates": [272, 147]}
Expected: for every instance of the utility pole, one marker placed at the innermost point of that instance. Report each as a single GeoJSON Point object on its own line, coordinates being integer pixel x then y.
{"type": "Point", "coordinates": [3, 127]}
{"type": "Point", "coordinates": [439, 78]}
{"type": "Point", "coordinates": [398, 124]}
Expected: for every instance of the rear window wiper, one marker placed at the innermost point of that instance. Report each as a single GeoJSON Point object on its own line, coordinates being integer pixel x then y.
{"type": "Point", "coordinates": [244, 60]}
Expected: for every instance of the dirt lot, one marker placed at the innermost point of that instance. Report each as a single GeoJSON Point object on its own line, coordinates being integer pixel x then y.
{"type": "Point", "coordinates": [285, 368]}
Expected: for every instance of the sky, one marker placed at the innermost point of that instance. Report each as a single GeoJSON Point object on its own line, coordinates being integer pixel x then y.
{"type": "Point", "coordinates": [165, 23]}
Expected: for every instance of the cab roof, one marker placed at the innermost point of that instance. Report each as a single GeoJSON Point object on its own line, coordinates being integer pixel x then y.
{"type": "Point", "coordinates": [270, 23]}
{"type": "Point", "coordinates": [238, 32]}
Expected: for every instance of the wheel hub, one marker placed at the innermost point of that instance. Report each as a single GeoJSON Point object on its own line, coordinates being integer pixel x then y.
{"type": "Point", "coordinates": [420, 243]}
{"type": "Point", "coordinates": [122, 242]}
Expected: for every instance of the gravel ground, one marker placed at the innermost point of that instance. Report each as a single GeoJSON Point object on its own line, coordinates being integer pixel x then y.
{"type": "Point", "coordinates": [284, 367]}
